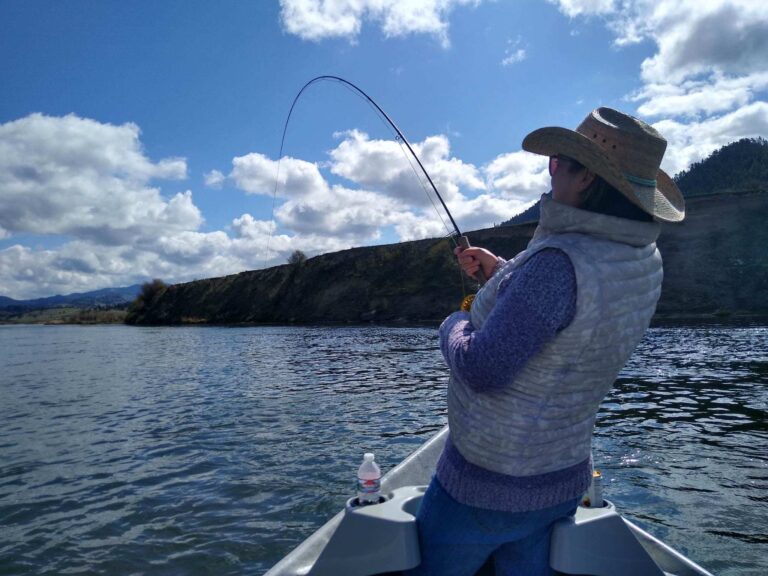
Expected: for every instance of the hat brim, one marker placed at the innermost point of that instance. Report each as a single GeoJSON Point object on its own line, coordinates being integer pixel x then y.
{"type": "Point", "coordinates": [664, 201]}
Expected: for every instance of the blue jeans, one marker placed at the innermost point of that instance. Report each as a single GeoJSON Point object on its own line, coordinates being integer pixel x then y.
{"type": "Point", "coordinates": [456, 539]}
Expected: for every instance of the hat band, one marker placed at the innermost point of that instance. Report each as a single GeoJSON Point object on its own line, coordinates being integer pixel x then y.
{"type": "Point", "coordinates": [640, 181]}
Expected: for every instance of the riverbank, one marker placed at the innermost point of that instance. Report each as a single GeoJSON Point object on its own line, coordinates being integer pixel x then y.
{"type": "Point", "coordinates": [66, 315]}
{"type": "Point", "coordinates": [715, 267]}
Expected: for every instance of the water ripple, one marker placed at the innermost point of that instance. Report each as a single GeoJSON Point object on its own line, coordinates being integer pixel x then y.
{"type": "Point", "coordinates": [217, 450]}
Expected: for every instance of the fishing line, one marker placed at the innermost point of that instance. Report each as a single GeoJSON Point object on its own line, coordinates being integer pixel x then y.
{"type": "Point", "coordinates": [401, 139]}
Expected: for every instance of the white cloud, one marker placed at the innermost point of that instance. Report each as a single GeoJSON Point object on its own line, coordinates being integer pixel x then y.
{"type": "Point", "coordinates": [257, 174]}
{"type": "Point", "coordinates": [708, 73]}
{"type": "Point", "coordinates": [387, 192]}
{"type": "Point", "coordinates": [693, 141]}
{"type": "Point", "coordinates": [487, 210]}
{"type": "Point", "coordinates": [386, 166]}
{"type": "Point", "coordinates": [81, 265]}
{"type": "Point", "coordinates": [694, 38]}
{"type": "Point", "coordinates": [416, 226]}
{"type": "Point", "coordinates": [694, 98]}
{"type": "Point", "coordinates": [74, 176]}
{"type": "Point", "coordinates": [214, 179]}
{"type": "Point", "coordinates": [320, 19]}
{"type": "Point", "coordinates": [90, 186]}
{"type": "Point", "coordinates": [376, 164]}
{"type": "Point", "coordinates": [573, 8]}
{"type": "Point", "coordinates": [513, 57]}
{"type": "Point", "coordinates": [518, 175]}
{"type": "Point", "coordinates": [246, 226]}
{"type": "Point", "coordinates": [353, 215]}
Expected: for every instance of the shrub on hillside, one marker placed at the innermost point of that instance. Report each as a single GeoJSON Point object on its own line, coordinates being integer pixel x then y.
{"type": "Point", "coordinates": [297, 258]}
{"type": "Point", "coordinates": [149, 292]}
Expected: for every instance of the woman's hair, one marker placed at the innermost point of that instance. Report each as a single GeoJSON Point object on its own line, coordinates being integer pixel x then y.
{"type": "Point", "coordinates": [603, 198]}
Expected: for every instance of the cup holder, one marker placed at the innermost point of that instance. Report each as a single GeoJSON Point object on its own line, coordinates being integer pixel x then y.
{"type": "Point", "coordinates": [391, 524]}
{"type": "Point", "coordinates": [355, 502]}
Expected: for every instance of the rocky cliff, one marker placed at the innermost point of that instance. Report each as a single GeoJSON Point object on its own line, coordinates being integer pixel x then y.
{"type": "Point", "coordinates": [715, 262]}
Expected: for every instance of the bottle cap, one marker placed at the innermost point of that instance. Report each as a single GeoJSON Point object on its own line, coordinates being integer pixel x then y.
{"type": "Point", "coordinates": [368, 456]}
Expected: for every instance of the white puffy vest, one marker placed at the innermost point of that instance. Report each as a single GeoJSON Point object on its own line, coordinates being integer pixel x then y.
{"type": "Point", "coordinates": [542, 420]}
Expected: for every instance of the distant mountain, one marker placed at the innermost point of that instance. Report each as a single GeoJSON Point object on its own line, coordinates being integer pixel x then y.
{"type": "Point", "coordinates": [529, 215]}
{"type": "Point", "coordinates": [741, 166]}
{"type": "Point", "coordinates": [105, 297]}
{"type": "Point", "coordinates": [738, 167]}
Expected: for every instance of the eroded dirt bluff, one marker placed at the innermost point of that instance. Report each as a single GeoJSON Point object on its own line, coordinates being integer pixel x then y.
{"type": "Point", "coordinates": [715, 263]}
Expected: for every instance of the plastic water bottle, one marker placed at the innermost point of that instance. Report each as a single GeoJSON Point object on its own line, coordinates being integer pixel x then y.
{"type": "Point", "coordinates": [368, 481]}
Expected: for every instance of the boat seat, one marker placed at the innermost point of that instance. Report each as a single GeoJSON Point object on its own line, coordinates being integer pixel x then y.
{"type": "Point", "coordinates": [598, 542]}
{"type": "Point", "coordinates": [383, 540]}
{"type": "Point", "coordinates": [378, 539]}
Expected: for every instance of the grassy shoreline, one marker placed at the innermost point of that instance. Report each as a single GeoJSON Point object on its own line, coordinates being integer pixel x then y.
{"type": "Point", "coordinates": [80, 316]}
{"type": "Point", "coordinates": [65, 315]}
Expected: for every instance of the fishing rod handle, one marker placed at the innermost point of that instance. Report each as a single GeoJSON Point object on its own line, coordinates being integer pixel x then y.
{"type": "Point", "coordinates": [479, 275]}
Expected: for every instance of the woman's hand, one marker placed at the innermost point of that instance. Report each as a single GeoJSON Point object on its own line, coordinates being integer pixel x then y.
{"type": "Point", "coordinates": [472, 259]}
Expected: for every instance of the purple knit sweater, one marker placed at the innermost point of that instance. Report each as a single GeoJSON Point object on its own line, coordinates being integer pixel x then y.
{"type": "Point", "coordinates": [533, 304]}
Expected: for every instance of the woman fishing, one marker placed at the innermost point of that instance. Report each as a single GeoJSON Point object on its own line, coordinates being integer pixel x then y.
{"type": "Point", "coordinates": [540, 348]}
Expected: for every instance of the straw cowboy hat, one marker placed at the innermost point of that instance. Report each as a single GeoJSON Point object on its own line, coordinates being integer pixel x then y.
{"type": "Point", "coordinates": [625, 151]}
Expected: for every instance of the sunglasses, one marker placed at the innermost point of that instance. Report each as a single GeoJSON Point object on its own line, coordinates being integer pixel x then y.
{"type": "Point", "coordinates": [554, 163]}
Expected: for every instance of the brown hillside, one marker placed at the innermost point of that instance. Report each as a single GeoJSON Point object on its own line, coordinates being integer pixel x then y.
{"type": "Point", "coordinates": [716, 264]}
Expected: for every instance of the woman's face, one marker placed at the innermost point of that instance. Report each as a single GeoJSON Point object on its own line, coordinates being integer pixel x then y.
{"type": "Point", "coordinates": [569, 180]}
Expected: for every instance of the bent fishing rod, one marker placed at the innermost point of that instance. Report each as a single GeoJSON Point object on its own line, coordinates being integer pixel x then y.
{"type": "Point", "coordinates": [461, 239]}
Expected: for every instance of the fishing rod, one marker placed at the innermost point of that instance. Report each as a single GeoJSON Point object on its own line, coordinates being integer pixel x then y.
{"type": "Point", "coordinates": [462, 241]}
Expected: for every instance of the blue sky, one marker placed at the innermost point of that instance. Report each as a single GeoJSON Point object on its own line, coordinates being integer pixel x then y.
{"type": "Point", "coordinates": [139, 139]}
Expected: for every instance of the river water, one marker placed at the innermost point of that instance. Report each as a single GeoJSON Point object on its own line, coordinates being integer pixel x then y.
{"type": "Point", "coordinates": [217, 450]}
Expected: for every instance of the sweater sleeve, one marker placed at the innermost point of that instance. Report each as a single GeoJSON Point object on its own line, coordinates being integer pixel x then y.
{"type": "Point", "coordinates": [533, 304]}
